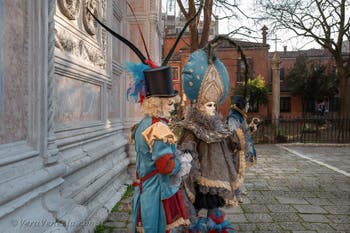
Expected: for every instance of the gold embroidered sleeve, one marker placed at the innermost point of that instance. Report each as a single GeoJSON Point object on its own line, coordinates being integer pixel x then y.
{"type": "Point", "coordinates": [158, 131]}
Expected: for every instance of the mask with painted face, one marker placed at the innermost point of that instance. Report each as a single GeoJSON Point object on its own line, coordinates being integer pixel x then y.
{"type": "Point", "coordinates": [208, 108]}
{"type": "Point", "coordinates": [168, 107]}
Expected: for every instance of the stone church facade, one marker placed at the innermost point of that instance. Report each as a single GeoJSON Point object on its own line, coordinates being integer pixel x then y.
{"type": "Point", "coordinates": [64, 117]}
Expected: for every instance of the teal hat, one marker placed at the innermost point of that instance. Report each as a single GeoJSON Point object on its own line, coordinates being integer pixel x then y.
{"type": "Point", "coordinates": [205, 82]}
{"type": "Point", "coordinates": [239, 101]}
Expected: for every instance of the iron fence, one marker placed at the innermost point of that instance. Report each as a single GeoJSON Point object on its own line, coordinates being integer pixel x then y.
{"type": "Point", "coordinates": [303, 130]}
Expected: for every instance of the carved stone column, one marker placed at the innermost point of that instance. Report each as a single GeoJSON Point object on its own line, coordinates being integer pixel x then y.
{"type": "Point", "coordinates": [51, 151]}
{"type": "Point", "coordinates": [275, 88]}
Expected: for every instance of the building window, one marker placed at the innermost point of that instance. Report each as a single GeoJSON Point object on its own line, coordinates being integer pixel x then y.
{"type": "Point", "coordinates": [254, 107]}
{"type": "Point", "coordinates": [310, 105]}
{"type": "Point", "coordinates": [334, 104]}
{"type": "Point", "coordinates": [285, 104]}
{"type": "Point", "coordinates": [175, 73]}
{"type": "Point", "coordinates": [241, 68]}
{"type": "Point", "coordinates": [282, 74]}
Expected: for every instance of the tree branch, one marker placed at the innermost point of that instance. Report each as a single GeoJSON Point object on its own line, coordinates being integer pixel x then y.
{"type": "Point", "coordinates": [208, 6]}
{"type": "Point", "coordinates": [183, 10]}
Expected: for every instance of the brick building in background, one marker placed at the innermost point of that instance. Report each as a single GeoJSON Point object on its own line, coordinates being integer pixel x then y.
{"type": "Point", "coordinates": [259, 58]}
{"type": "Point", "coordinates": [256, 53]}
{"type": "Point", "coordinates": [291, 106]}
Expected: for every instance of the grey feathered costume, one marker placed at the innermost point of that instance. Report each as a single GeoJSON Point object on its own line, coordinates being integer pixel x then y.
{"type": "Point", "coordinates": [218, 161]}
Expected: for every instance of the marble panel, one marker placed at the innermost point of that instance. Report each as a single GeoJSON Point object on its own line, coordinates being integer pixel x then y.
{"type": "Point", "coordinates": [114, 98]}
{"type": "Point", "coordinates": [77, 101]}
{"type": "Point", "coordinates": [1, 57]}
{"type": "Point", "coordinates": [13, 84]}
{"type": "Point", "coordinates": [116, 44]}
{"type": "Point", "coordinates": [117, 48]}
{"type": "Point", "coordinates": [138, 6]}
{"type": "Point", "coordinates": [133, 110]}
{"type": "Point", "coordinates": [137, 40]}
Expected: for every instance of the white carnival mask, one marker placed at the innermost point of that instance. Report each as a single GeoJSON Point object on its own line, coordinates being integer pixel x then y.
{"type": "Point", "coordinates": [168, 107]}
{"type": "Point", "coordinates": [208, 108]}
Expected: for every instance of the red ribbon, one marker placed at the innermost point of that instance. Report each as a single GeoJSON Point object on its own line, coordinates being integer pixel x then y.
{"type": "Point", "coordinates": [151, 63]}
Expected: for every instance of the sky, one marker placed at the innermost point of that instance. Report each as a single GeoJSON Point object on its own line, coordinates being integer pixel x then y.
{"type": "Point", "coordinates": [284, 38]}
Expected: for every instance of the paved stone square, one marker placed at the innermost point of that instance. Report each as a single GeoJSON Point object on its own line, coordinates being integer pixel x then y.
{"type": "Point", "coordinates": [286, 193]}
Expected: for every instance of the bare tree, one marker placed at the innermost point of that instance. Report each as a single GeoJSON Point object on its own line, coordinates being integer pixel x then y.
{"type": "Point", "coordinates": [228, 7]}
{"type": "Point", "coordinates": [325, 21]}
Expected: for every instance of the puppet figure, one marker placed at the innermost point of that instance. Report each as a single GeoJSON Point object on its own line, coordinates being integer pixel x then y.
{"type": "Point", "coordinates": [237, 119]}
{"type": "Point", "coordinates": [218, 161]}
{"type": "Point", "coordinates": [158, 205]}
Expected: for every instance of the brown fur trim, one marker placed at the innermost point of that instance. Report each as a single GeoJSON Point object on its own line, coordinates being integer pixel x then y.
{"type": "Point", "coordinates": [178, 222]}
{"type": "Point", "coordinates": [206, 128]}
{"type": "Point", "coordinates": [233, 202]}
{"type": "Point", "coordinates": [189, 194]}
{"type": "Point", "coordinates": [241, 173]}
{"type": "Point", "coordinates": [213, 183]}
{"type": "Point", "coordinates": [243, 113]}
{"type": "Point", "coordinates": [241, 138]}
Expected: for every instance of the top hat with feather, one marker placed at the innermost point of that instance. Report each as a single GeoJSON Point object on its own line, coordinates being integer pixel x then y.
{"type": "Point", "coordinates": [149, 79]}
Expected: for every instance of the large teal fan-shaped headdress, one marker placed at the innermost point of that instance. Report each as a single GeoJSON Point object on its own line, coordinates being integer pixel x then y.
{"type": "Point", "coordinates": [205, 80]}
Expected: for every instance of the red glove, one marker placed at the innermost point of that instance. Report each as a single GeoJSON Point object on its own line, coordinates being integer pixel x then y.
{"type": "Point", "coordinates": [165, 164]}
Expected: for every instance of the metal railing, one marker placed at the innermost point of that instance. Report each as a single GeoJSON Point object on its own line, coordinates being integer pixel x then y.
{"type": "Point", "coordinates": [303, 130]}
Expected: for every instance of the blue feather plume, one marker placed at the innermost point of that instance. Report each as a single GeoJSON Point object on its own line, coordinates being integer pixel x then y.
{"type": "Point", "coordinates": [137, 89]}
{"type": "Point", "coordinates": [199, 225]}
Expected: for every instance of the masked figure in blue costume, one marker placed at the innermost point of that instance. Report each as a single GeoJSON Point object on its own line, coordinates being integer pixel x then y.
{"type": "Point", "coordinates": [218, 161]}
{"type": "Point", "coordinates": [157, 205]}
{"type": "Point", "coordinates": [237, 118]}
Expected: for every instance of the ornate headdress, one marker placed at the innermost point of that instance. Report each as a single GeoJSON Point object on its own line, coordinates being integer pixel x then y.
{"type": "Point", "coordinates": [204, 79]}
{"type": "Point", "coordinates": [149, 79]}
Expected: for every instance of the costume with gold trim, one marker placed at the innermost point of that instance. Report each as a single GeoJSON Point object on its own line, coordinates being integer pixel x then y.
{"type": "Point", "coordinates": [158, 202]}
{"type": "Point", "coordinates": [237, 119]}
{"type": "Point", "coordinates": [218, 159]}
{"type": "Point", "coordinates": [218, 163]}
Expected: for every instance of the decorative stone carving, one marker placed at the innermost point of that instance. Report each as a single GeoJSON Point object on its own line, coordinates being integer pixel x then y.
{"type": "Point", "coordinates": [65, 42]}
{"type": "Point", "coordinates": [91, 54]}
{"type": "Point", "coordinates": [117, 12]}
{"type": "Point", "coordinates": [104, 42]}
{"type": "Point", "coordinates": [88, 21]}
{"type": "Point", "coordinates": [52, 150]}
{"type": "Point", "coordinates": [103, 7]}
{"type": "Point", "coordinates": [69, 8]}
{"type": "Point", "coordinates": [152, 5]}
{"type": "Point", "coordinates": [103, 32]}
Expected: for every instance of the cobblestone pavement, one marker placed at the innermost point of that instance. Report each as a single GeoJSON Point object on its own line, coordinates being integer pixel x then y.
{"type": "Point", "coordinates": [286, 193]}
{"type": "Point", "coordinates": [334, 156]}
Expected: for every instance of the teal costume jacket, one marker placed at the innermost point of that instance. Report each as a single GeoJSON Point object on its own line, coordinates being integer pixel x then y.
{"type": "Point", "coordinates": [152, 142]}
